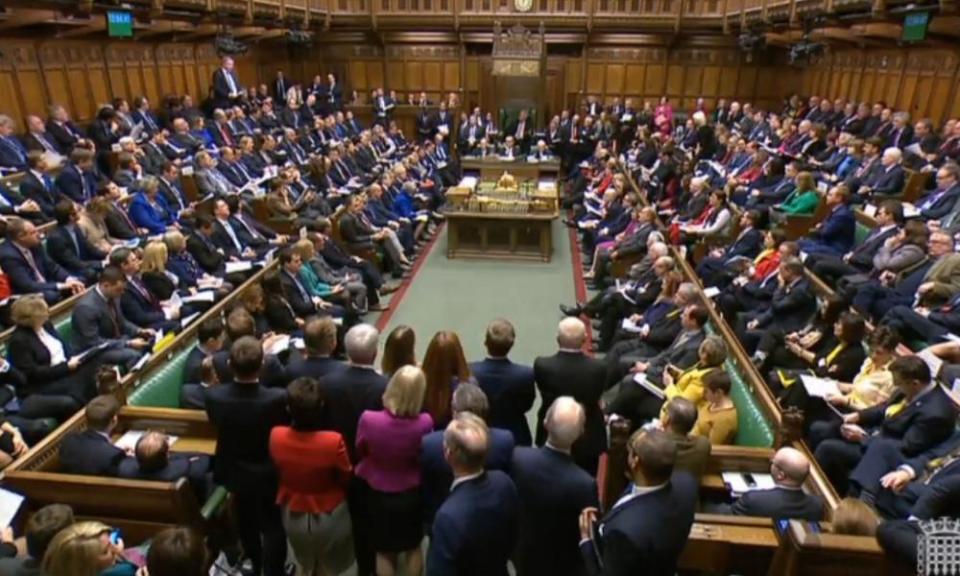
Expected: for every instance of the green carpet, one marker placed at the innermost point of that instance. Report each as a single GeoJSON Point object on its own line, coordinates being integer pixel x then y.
{"type": "Point", "coordinates": [465, 295]}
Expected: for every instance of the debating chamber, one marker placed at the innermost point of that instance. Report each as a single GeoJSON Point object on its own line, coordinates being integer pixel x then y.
{"type": "Point", "coordinates": [479, 287]}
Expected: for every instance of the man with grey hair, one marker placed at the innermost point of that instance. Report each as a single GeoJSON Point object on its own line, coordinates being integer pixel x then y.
{"type": "Point", "coordinates": [570, 372]}
{"type": "Point", "coordinates": [553, 490]}
{"type": "Point", "coordinates": [349, 392]}
{"type": "Point", "coordinates": [436, 475]}
{"type": "Point", "coordinates": [475, 530]}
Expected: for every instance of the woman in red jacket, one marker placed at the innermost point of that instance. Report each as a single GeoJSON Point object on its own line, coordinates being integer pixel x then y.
{"type": "Point", "coordinates": [314, 470]}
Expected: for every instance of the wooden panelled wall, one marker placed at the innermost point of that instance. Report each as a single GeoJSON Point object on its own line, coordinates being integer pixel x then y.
{"type": "Point", "coordinates": [644, 73]}
{"type": "Point", "coordinates": [83, 75]}
{"type": "Point", "coordinates": [924, 81]}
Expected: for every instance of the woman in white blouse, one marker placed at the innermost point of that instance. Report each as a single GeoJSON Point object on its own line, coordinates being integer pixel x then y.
{"type": "Point", "coordinates": [57, 383]}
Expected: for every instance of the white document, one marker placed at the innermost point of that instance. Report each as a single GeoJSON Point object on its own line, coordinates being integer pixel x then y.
{"type": "Point", "coordinates": [10, 503]}
{"type": "Point", "coordinates": [641, 379]}
{"type": "Point", "coordinates": [140, 362]}
{"type": "Point", "coordinates": [128, 442]}
{"type": "Point", "coordinates": [203, 296]}
{"type": "Point", "coordinates": [630, 326]}
{"type": "Point", "coordinates": [822, 187]}
{"type": "Point", "coordinates": [711, 292]}
{"type": "Point", "coordinates": [185, 321]}
{"type": "Point", "coordinates": [910, 211]}
{"type": "Point", "coordinates": [870, 210]}
{"type": "Point", "coordinates": [210, 282]}
{"type": "Point", "coordinates": [932, 361]}
{"type": "Point", "coordinates": [951, 337]}
{"type": "Point", "coordinates": [743, 482]}
{"type": "Point", "coordinates": [240, 266]}
{"type": "Point", "coordinates": [820, 387]}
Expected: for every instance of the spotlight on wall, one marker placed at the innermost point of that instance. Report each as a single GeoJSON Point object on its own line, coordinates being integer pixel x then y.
{"type": "Point", "coordinates": [806, 52]}
{"type": "Point", "coordinates": [299, 38]}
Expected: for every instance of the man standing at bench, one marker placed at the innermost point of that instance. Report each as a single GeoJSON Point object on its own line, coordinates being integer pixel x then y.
{"type": "Point", "coordinates": [244, 412]}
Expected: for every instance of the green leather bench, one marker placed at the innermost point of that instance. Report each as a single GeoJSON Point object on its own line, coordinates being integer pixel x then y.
{"type": "Point", "coordinates": [753, 429]}
{"type": "Point", "coordinates": [162, 388]}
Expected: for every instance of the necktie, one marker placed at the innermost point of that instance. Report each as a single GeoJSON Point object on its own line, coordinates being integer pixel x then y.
{"type": "Point", "coordinates": [149, 121]}
{"type": "Point", "coordinates": [114, 317]}
{"type": "Point", "coordinates": [42, 139]}
{"type": "Point", "coordinates": [233, 235]}
{"type": "Point", "coordinates": [520, 131]}
{"type": "Point", "coordinates": [73, 236]}
{"type": "Point", "coordinates": [253, 231]}
{"type": "Point", "coordinates": [225, 134]}
{"type": "Point", "coordinates": [895, 409]}
{"type": "Point", "coordinates": [28, 256]}
{"type": "Point", "coordinates": [300, 288]}
{"type": "Point", "coordinates": [126, 218]}
{"type": "Point", "coordinates": [13, 145]}
{"type": "Point", "coordinates": [139, 287]}
{"type": "Point", "coordinates": [230, 82]}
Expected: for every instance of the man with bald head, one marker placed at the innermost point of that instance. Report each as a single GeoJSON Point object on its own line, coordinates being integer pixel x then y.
{"type": "Point", "coordinates": [789, 468]}
{"type": "Point", "coordinates": [570, 372]}
{"type": "Point", "coordinates": [553, 490]}
{"type": "Point", "coordinates": [475, 529]}
{"type": "Point", "coordinates": [155, 463]}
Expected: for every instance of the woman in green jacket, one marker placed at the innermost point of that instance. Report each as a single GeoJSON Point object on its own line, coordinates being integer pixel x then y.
{"type": "Point", "coordinates": [804, 198]}
{"type": "Point", "coordinates": [308, 276]}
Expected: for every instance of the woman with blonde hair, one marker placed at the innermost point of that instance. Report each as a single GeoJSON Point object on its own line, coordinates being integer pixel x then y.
{"type": "Point", "coordinates": [163, 283]}
{"type": "Point", "coordinates": [445, 366]}
{"type": "Point", "coordinates": [399, 350]}
{"type": "Point", "coordinates": [388, 450]}
{"type": "Point", "coordinates": [86, 549]}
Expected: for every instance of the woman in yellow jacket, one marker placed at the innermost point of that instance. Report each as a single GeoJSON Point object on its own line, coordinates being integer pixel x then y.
{"type": "Point", "coordinates": [689, 383]}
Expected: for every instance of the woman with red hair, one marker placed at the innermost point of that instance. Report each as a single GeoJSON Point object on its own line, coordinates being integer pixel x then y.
{"type": "Point", "coordinates": [445, 367]}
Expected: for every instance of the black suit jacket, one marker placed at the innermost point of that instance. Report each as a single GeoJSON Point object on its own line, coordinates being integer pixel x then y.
{"type": "Point", "coordinates": [244, 414]}
{"type": "Point", "coordinates": [79, 258]}
{"type": "Point", "coordinates": [862, 255]}
{"type": "Point", "coordinates": [193, 467]}
{"type": "Point", "coordinates": [511, 390]}
{"type": "Point", "coordinates": [553, 491]}
{"type": "Point", "coordinates": [645, 534]}
{"type": "Point", "coordinates": [791, 307]}
{"type": "Point", "coordinates": [33, 359]}
{"type": "Point", "coordinates": [305, 366]}
{"type": "Point", "coordinates": [205, 253]}
{"type": "Point", "coordinates": [65, 138]}
{"type": "Point", "coordinates": [272, 374]}
{"type": "Point", "coordinates": [301, 306]}
{"type": "Point", "coordinates": [192, 365]}
{"type": "Point", "coordinates": [32, 188]}
{"type": "Point", "coordinates": [574, 374]}
{"type": "Point", "coordinates": [90, 453]}
{"type": "Point", "coordinates": [349, 392]}
{"type": "Point", "coordinates": [779, 503]}
{"type": "Point", "coordinates": [927, 421]}
{"type": "Point", "coordinates": [354, 231]}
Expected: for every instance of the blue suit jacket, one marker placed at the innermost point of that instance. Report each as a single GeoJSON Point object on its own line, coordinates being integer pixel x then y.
{"type": "Point", "coordinates": [474, 531]}
{"type": "Point", "coordinates": [646, 534]}
{"type": "Point", "coordinates": [76, 186]}
{"type": "Point", "coordinates": [887, 182]}
{"type": "Point", "coordinates": [13, 154]}
{"type": "Point", "coordinates": [835, 235]}
{"type": "Point", "coordinates": [748, 245]}
{"type": "Point", "coordinates": [436, 473]}
{"type": "Point", "coordinates": [21, 275]}
{"type": "Point", "coordinates": [937, 205]}
{"type": "Point", "coordinates": [43, 192]}
{"type": "Point", "coordinates": [553, 491]}
{"type": "Point", "coordinates": [511, 390]}
{"type": "Point", "coordinates": [146, 216]}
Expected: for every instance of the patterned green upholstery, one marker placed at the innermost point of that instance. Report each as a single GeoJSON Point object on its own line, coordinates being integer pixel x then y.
{"type": "Point", "coordinates": [64, 329]}
{"type": "Point", "coordinates": [752, 426]}
{"type": "Point", "coordinates": [162, 388]}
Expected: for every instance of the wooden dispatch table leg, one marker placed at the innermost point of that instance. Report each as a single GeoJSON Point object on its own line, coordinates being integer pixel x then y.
{"type": "Point", "coordinates": [514, 238]}
{"type": "Point", "coordinates": [546, 240]}
{"type": "Point", "coordinates": [453, 237]}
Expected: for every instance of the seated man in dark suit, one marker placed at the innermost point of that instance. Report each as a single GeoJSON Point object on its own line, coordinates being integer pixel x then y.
{"type": "Point", "coordinates": [139, 304]}
{"type": "Point", "coordinates": [553, 490]}
{"type": "Point", "coordinates": [153, 461]}
{"type": "Point", "coordinates": [13, 154]}
{"type": "Point", "coordinates": [435, 471]}
{"type": "Point", "coordinates": [887, 180]}
{"type": "Point", "coordinates": [29, 269]}
{"type": "Point", "coordinates": [509, 387]}
{"type": "Point", "coordinates": [789, 468]}
{"type": "Point", "coordinates": [793, 304]}
{"type": "Point", "coordinates": [97, 320]}
{"type": "Point", "coordinates": [243, 413]}
{"type": "Point", "coordinates": [316, 360]}
{"type": "Point", "coordinates": [917, 417]}
{"type": "Point", "coordinates": [69, 248]}
{"type": "Point", "coordinates": [239, 324]}
{"type": "Point", "coordinates": [37, 196]}
{"type": "Point", "coordinates": [474, 530]}
{"type": "Point", "coordinates": [859, 260]}
{"type": "Point", "coordinates": [210, 340]}
{"type": "Point", "coordinates": [193, 396]}
{"type": "Point", "coordinates": [92, 452]}
{"type": "Point", "coordinates": [748, 243]}
{"type": "Point", "coordinates": [647, 528]}
{"type": "Point", "coordinates": [835, 234]}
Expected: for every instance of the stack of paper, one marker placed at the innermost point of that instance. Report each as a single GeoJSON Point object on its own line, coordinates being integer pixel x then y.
{"type": "Point", "coordinates": [128, 442]}
{"type": "Point", "coordinates": [819, 387]}
{"type": "Point", "coordinates": [743, 482]}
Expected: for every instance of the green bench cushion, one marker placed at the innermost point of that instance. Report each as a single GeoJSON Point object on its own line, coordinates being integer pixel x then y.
{"type": "Point", "coordinates": [162, 388]}
{"type": "Point", "coordinates": [861, 233]}
{"type": "Point", "coordinates": [753, 429]}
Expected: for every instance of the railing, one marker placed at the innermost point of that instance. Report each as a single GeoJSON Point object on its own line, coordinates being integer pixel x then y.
{"type": "Point", "coordinates": [539, 7]}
